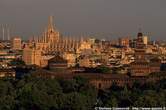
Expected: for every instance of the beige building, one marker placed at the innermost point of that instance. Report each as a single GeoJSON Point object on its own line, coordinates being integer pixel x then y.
{"type": "Point", "coordinates": [71, 59]}
{"type": "Point", "coordinates": [45, 59]}
{"type": "Point", "coordinates": [32, 56]}
{"type": "Point", "coordinates": [85, 45]}
{"type": "Point", "coordinates": [87, 62]}
{"type": "Point", "coordinates": [16, 43]}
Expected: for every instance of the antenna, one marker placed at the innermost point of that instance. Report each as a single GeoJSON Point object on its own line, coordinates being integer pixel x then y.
{"type": "Point", "coordinates": [139, 28]}
{"type": "Point", "coordinates": [8, 34]}
{"type": "Point", "coordinates": [1, 31]}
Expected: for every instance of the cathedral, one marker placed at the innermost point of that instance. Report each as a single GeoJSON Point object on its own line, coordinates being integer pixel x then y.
{"type": "Point", "coordinates": [52, 41]}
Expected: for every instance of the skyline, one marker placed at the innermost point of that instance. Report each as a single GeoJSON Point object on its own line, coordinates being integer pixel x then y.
{"type": "Point", "coordinates": [76, 17]}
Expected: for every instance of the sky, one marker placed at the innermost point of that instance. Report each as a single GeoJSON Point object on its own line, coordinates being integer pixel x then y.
{"type": "Point", "coordinates": [100, 18]}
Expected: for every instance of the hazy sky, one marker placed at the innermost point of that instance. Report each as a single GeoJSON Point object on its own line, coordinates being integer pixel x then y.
{"type": "Point", "coordinates": [114, 18]}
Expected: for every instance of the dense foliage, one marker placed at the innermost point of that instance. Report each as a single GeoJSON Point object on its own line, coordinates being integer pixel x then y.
{"type": "Point", "coordinates": [17, 62]}
{"type": "Point", "coordinates": [100, 69]}
{"type": "Point", "coordinates": [31, 93]}
{"type": "Point", "coordinates": [148, 95]}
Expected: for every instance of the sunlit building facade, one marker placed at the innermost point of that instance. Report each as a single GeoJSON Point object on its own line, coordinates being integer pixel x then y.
{"type": "Point", "coordinates": [52, 41]}
{"type": "Point", "coordinates": [16, 43]}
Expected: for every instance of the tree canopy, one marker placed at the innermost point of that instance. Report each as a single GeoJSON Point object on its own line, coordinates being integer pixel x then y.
{"type": "Point", "coordinates": [32, 93]}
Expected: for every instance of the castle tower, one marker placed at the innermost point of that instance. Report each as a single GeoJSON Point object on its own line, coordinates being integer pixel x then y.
{"type": "Point", "coordinates": [140, 47]}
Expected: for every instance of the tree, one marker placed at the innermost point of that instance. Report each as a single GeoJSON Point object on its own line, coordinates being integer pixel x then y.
{"type": "Point", "coordinates": [17, 62]}
{"type": "Point", "coordinates": [112, 102]}
{"type": "Point", "coordinates": [103, 69]}
{"type": "Point", "coordinates": [7, 95]}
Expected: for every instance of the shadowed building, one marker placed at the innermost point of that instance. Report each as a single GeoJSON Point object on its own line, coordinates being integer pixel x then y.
{"type": "Point", "coordinates": [155, 65]}
{"type": "Point", "coordinates": [101, 81]}
{"type": "Point", "coordinates": [7, 73]}
{"type": "Point", "coordinates": [58, 64]}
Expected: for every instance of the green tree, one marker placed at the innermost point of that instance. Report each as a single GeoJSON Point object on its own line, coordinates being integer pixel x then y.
{"type": "Point", "coordinates": [103, 69]}
{"type": "Point", "coordinates": [112, 102]}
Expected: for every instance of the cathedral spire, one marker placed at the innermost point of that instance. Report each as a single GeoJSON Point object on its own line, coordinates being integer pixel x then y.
{"type": "Point", "coordinates": [50, 24]}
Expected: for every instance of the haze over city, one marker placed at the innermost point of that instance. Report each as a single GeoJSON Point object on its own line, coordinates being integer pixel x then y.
{"type": "Point", "coordinates": [114, 18]}
{"type": "Point", "coordinates": [82, 55]}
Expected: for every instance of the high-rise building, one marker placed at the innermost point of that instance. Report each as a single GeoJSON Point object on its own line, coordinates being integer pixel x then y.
{"type": "Point", "coordinates": [145, 40]}
{"type": "Point", "coordinates": [16, 43]}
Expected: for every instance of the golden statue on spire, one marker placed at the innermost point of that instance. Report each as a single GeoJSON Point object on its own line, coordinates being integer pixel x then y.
{"type": "Point", "coordinates": [50, 24]}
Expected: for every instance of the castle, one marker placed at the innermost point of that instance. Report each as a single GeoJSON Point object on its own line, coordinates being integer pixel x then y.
{"type": "Point", "coordinates": [143, 66]}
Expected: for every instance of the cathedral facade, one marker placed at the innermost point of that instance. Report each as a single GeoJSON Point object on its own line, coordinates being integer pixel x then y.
{"type": "Point", "coordinates": [52, 41]}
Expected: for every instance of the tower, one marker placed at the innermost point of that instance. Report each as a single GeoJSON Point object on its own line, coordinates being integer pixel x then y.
{"type": "Point", "coordinates": [140, 47]}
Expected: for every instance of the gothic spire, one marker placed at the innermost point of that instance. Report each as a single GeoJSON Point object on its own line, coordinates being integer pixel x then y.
{"type": "Point", "coordinates": [50, 24]}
